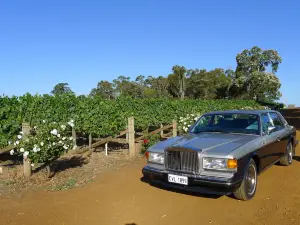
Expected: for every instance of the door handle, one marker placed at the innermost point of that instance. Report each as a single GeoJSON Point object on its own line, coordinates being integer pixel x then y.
{"type": "Point", "coordinates": [278, 138]}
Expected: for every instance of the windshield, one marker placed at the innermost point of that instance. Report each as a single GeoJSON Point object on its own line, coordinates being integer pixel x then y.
{"type": "Point", "coordinates": [228, 123]}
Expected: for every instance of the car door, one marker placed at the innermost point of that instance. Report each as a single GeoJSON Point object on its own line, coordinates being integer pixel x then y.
{"type": "Point", "coordinates": [269, 142]}
{"type": "Point", "coordinates": [281, 134]}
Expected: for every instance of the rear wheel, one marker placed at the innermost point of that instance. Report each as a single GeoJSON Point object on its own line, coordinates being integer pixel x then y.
{"type": "Point", "coordinates": [288, 158]}
{"type": "Point", "coordinates": [247, 189]}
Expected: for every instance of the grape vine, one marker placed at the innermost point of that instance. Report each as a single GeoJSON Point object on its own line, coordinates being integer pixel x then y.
{"type": "Point", "coordinates": [97, 116]}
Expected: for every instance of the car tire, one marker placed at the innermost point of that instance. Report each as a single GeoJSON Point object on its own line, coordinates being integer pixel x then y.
{"type": "Point", "coordinates": [247, 189]}
{"type": "Point", "coordinates": [287, 160]}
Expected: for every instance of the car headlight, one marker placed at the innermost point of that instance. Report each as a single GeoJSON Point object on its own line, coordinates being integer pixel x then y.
{"type": "Point", "coordinates": [156, 157]}
{"type": "Point", "coordinates": [220, 164]}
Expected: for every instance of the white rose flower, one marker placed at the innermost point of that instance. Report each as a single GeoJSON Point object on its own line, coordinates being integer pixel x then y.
{"type": "Point", "coordinates": [9, 142]}
{"type": "Point", "coordinates": [71, 123]}
{"type": "Point", "coordinates": [25, 154]}
{"type": "Point", "coordinates": [42, 143]}
{"type": "Point", "coordinates": [34, 149]}
{"type": "Point", "coordinates": [71, 138]}
{"type": "Point", "coordinates": [74, 147]}
{"type": "Point", "coordinates": [58, 135]}
{"type": "Point", "coordinates": [64, 138]}
{"type": "Point", "coordinates": [54, 132]}
{"type": "Point", "coordinates": [53, 143]}
{"type": "Point", "coordinates": [35, 127]}
{"type": "Point", "coordinates": [63, 127]}
{"type": "Point", "coordinates": [44, 121]}
{"type": "Point", "coordinates": [65, 147]}
{"type": "Point", "coordinates": [32, 164]}
{"type": "Point", "coordinates": [22, 150]}
{"type": "Point", "coordinates": [21, 133]}
{"type": "Point", "coordinates": [17, 142]}
{"type": "Point", "coordinates": [12, 152]}
{"type": "Point", "coordinates": [60, 142]}
{"type": "Point", "coordinates": [38, 149]}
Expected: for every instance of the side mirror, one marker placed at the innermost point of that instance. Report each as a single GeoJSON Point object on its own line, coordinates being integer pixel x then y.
{"type": "Point", "coordinates": [271, 129]}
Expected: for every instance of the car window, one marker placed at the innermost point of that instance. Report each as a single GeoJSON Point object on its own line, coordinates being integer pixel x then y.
{"type": "Point", "coordinates": [276, 121]}
{"type": "Point", "coordinates": [229, 123]}
{"type": "Point", "coordinates": [266, 122]}
{"type": "Point", "coordinates": [203, 121]}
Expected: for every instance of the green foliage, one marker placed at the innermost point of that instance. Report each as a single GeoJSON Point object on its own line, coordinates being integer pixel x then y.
{"type": "Point", "coordinates": [10, 119]}
{"type": "Point", "coordinates": [252, 79]}
{"type": "Point", "coordinates": [98, 116]}
{"type": "Point", "coordinates": [104, 90]}
{"type": "Point", "coordinates": [61, 88]}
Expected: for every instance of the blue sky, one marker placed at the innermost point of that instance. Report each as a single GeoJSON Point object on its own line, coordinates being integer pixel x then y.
{"type": "Point", "coordinates": [43, 43]}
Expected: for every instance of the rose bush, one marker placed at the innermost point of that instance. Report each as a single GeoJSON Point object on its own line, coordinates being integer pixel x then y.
{"type": "Point", "coordinates": [187, 121]}
{"type": "Point", "coordinates": [149, 140]}
{"type": "Point", "coordinates": [45, 143]}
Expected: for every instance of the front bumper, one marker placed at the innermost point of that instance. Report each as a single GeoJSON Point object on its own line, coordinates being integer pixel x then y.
{"type": "Point", "coordinates": [209, 185]}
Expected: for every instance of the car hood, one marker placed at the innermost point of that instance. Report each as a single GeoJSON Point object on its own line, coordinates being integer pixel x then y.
{"type": "Point", "coordinates": [215, 143]}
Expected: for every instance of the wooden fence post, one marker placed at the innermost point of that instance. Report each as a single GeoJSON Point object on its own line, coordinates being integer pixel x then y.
{"type": "Point", "coordinates": [174, 128]}
{"type": "Point", "coordinates": [74, 136]}
{"type": "Point", "coordinates": [162, 132]}
{"type": "Point", "coordinates": [25, 129]}
{"type": "Point", "coordinates": [131, 136]}
{"type": "Point", "coordinates": [127, 136]}
{"type": "Point", "coordinates": [90, 141]}
{"type": "Point", "coordinates": [27, 170]}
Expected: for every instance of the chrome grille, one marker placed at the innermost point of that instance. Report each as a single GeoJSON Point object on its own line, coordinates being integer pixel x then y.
{"type": "Point", "coordinates": [183, 161]}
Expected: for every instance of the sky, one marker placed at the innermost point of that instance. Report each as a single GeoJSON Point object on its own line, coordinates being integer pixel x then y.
{"type": "Point", "coordinates": [43, 43]}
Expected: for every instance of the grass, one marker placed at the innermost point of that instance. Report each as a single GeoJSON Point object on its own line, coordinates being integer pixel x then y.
{"type": "Point", "coordinates": [71, 183]}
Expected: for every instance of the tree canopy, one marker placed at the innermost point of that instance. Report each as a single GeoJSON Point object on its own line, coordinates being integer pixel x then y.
{"type": "Point", "coordinates": [61, 88]}
{"type": "Point", "coordinates": [254, 78]}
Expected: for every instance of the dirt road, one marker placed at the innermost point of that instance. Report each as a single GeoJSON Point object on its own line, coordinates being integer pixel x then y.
{"type": "Point", "coordinates": [119, 197]}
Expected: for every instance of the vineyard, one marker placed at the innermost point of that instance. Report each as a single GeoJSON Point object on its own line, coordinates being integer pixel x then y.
{"type": "Point", "coordinates": [100, 117]}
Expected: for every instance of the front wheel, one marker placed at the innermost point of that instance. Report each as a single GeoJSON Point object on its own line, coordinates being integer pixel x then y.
{"type": "Point", "coordinates": [247, 189]}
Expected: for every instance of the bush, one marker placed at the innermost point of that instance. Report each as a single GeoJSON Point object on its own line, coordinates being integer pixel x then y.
{"type": "Point", "coordinates": [45, 143]}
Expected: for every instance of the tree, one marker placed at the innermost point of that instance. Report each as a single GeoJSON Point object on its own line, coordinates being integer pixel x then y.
{"type": "Point", "coordinates": [104, 90]}
{"type": "Point", "coordinates": [61, 88]}
{"type": "Point", "coordinates": [180, 73]}
{"type": "Point", "coordinates": [125, 87]}
{"type": "Point", "coordinates": [207, 84]}
{"type": "Point", "coordinates": [265, 87]}
{"type": "Point", "coordinates": [251, 73]}
{"type": "Point", "coordinates": [158, 85]}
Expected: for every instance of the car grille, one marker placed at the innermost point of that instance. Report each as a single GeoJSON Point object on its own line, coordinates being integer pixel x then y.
{"type": "Point", "coordinates": [183, 161]}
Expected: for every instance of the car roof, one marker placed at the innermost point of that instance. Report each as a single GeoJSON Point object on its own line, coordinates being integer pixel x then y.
{"type": "Point", "coordinates": [256, 112]}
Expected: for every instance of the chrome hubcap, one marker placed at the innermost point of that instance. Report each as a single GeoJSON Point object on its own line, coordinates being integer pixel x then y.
{"type": "Point", "coordinates": [251, 180]}
{"type": "Point", "coordinates": [290, 153]}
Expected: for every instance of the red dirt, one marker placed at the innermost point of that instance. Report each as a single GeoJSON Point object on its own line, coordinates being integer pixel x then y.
{"type": "Point", "coordinates": [119, 197]}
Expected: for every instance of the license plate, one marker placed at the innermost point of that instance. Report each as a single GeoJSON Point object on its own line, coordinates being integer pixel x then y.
{"type": "Point", "coordinates": [178, 179]}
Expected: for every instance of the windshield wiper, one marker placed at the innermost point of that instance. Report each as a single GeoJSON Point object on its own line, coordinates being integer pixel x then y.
{"type": "Point", "coordinates": [212, 131]}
